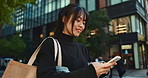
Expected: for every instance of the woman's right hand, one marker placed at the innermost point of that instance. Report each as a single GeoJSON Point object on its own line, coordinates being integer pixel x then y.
{"type": "Point", "coordinates": [103, 68]}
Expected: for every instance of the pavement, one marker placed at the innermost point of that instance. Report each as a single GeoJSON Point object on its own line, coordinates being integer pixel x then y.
{"type": "Point", "coordinates": [130, 73]}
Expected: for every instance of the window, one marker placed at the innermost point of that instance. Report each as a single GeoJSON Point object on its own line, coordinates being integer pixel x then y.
{"type": "Point", "coordinates": [19, 27]}
{"type": "Point", "coordinates": [58, 4]}
{"type": "Point", "coordinates": [43, 13]}
{"type": "Point", "coordinates": [114, 2]}
{"type": "Point", "coordinates": [141, 2]}
{"type": "Point", "coordinates": [88, 4]}
{"type": "Point", "coordinates": [67, 2]}
{"type": "Point", "coordinates": [108, 2]}
{"type": "Point", "coordinates": [113, 23]}
{"type": "Point", "coordinates": [137, 25]}
{"type": "Point", "coordinates": [91, 5]}
{"type": "Point", "coordinates": [39, 11]}
{"type": "Point", "coordinates": [120, 25]}
{"type": "Point", "coordinates": [83, 3]}
{"type": "Point", "coordinates": [62, 3]}
{"type": "Point", "coordinates": [124, 0]}
{"type": "Point", "coordinates": [53, 6]}
{"type": "Point", "coordinates": [140, 25]}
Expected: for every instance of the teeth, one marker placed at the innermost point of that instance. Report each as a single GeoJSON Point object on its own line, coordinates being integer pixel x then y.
{"type": "Point", "coordinates": [79, 30]}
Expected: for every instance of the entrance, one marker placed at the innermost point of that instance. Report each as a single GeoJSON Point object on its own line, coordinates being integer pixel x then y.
{"type": "Point", "coordinates": [127, 55]}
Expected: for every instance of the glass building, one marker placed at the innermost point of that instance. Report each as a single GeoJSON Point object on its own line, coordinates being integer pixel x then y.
{"type": "Point", "coordinates": [129, 22]}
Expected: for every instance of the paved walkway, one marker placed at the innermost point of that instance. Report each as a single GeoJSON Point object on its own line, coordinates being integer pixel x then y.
{"type": "Point", "coordinates": [129, 73]}
{"type": "Point", "coordinates": [132, 73]}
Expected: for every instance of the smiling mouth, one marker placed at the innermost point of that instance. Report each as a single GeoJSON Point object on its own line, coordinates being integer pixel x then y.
{"type": "Point", "coordinates": [79, 30]}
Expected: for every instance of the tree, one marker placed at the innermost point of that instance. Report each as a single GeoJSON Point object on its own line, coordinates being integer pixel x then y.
{"type": "Point", "coordinates": [4, 47]}
{"type": "Point", "coordinates": [8, 8]}
{"type": "Point", "coordinates": [97, 38]}
{"type": "Point", "coordinates": [16, 45]}
{"type": "Point", "coordinates": [12, 47]}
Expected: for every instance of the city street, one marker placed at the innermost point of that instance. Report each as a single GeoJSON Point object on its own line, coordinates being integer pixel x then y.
{"type": "Point", "coordinates": [129, 74]}
{"type": "Point", "coordinates": [40, 32]}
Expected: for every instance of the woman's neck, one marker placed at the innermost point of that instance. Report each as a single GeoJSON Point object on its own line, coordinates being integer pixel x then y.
{"type": "Point", "coordinates": [65, 37]}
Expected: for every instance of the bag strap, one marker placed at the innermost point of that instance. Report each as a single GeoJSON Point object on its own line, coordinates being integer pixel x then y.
{"type": "Point", "coordinates": [57, 48]}
{"type": "Point", "coordinates": [59, 55]}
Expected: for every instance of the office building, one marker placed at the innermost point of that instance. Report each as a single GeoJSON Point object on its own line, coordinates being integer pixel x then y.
{"type": "Point", "coordinates": [129, 22]}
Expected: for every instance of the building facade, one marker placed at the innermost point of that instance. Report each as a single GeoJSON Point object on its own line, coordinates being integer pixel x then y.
{"type": "Point", "coordinates": [129, 23]}
{"type": "Point", "coordinates": [146, 5]}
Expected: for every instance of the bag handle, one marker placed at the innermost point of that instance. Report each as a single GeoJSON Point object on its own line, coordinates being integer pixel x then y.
{"type": "Point", "coordinates": [59, 55]}
{"type": "Point", "coordinates": [57, 49]}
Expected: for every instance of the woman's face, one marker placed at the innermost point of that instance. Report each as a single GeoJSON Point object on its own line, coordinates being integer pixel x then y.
{"type": "Point", "coordinates": [78, 27]}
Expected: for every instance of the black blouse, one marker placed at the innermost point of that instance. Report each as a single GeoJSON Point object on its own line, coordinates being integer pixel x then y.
{"type": "Point", "coordinates": [74, 56]}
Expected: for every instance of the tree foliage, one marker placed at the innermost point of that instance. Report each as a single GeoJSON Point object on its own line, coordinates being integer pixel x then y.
{"type": "Point", "coordinates": [97, 38]}
{"type": "Point", "coordinates": [11, 47]}
{"type": "Point", "coordinates": [8, 8]}
{"type": "Point", "coordinates": [4, 46]}
{"type": "Point", "coordinates": [98, 24]}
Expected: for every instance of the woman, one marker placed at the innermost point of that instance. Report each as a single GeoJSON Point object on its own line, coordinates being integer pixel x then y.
{"type": "Point", "coordinates": [72, 20]}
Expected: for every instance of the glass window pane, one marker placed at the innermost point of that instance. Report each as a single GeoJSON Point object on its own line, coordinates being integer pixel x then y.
{"type": "Point", "coordinates": [108, 2]}
{"type": "Point", "coordinates": [124, 25]}
{"type": "Point", "coordinates": [139, 1]}
{"type": "Point", "coordinates": [91, 5]}
{"type": "Point", "coordinates": [142, 2]}
{"type": "Point", "coordinates": [58, 4]}
{"type": "Point", "coordinates": [141, 27]}
{"type": "Point", "coordinates": [62, 3]}
{"type": "Point", "coordinates": [53, 6]}
{"type": "Point", "coordinates": [120, 25]}
{"type": "Point", "coordinates": [49, 17]}
{"type": "Point", "coordinates": [137, 25]}
{"type": "Point", "coordinates": [113, 2]}
{"type": "Point", "coordinates": [113, 24]}
{"type": "Point", "coordinates": [39, 10]}
{"type": "Point", "coordinates": [124, 0]}
{"type": "Point", "coordinates": [49, 7]}
{"type": "Point", "coordinates": [67, 2]}
{"type": "Point", "coordinates": [83, 3]}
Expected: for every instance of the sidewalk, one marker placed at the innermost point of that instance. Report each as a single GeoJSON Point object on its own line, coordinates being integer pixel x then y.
{"type": "Point", "coordinates": [132, 73]}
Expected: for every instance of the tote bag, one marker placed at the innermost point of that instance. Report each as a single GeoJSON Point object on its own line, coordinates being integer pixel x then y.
{"type": "Point", "coordinates": [19, 70]}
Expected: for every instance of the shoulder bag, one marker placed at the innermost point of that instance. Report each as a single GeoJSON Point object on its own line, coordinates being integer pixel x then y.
{"type": "Point", "coordinates": [19, 70]}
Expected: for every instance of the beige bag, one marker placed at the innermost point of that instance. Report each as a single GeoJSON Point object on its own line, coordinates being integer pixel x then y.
{"type": "Point", "coordinates": [19, 70]}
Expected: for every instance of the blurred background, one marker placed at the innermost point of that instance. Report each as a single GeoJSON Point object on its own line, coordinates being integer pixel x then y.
{"type": "Point", "coordinates": [116, 27]}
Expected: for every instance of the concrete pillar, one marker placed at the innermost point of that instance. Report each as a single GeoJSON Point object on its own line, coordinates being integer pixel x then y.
{"type": "Point", "coordinates": [133, 23]}
{"type": "Point", "coordinates": [136, 55]}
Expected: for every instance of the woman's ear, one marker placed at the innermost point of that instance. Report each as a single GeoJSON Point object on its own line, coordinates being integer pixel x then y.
{"type": "Point", "coordinates": [64, 18]}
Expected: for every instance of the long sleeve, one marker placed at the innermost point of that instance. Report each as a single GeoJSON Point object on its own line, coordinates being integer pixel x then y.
{"type": "Point", "coordinates": [46, 66]}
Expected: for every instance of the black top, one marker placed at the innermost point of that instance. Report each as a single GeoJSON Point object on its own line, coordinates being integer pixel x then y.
{"type": "Point", "coordinates": [74, 56]}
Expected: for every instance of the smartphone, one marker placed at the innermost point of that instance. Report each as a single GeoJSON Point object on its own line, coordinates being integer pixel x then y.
{"type": "Point", "coordinates": [116, 58]}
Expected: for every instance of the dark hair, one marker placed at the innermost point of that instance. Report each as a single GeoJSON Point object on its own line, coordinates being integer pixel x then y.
{"type": "Point", "coordinates": [75, 9]}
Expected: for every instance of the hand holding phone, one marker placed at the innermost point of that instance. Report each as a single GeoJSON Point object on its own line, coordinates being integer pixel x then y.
{"type": "Point", "coordinates": [115, 59]}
